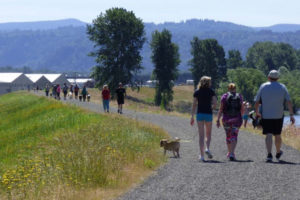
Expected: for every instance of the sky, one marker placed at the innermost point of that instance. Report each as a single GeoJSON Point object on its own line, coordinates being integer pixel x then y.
{"type": "Point", "coordinates": [245, 12]}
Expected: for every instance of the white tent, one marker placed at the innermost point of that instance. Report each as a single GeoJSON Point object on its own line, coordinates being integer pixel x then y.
{"type": "Point", "coordinates": [189, 82]}
{"type": "Point", "coordinates": [82, 81]}
{"type": "Point", "coordinates": [13, 81]}
{"type": "Point", "coordinates": [57, 78]}
{"type": "Point", "coordinates": [39, 80]}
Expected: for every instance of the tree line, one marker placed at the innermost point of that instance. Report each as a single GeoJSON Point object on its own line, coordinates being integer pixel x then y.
{"type": "Point", "coordinates": [65, 49]}
{"type": "Point", "coordinates": [118, 37]}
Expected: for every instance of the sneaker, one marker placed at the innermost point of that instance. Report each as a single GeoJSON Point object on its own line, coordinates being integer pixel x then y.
{"type": "Point", "coordinates": [232, 157]}
{"type": "Point", "coordinates": [269, 157]}
{"type": "Point", "coordinates": [201, 159]}
{"type": "Point", "coordinates": [118, 111]}
{"type": "Point", "coordinates": [228, 154]}
{"type": "Point", "coordinates": [208, 153]}
{"type": "Point", "coordinates": [278, 155]}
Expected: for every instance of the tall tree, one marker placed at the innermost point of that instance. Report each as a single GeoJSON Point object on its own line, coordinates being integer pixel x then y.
{"type": "Point", "coordinates": [234, 59]}
{"type": "Point", "coordinates": [208, 59]}
{"type": "Point", "coordinates": [118, 37]}
{"type": "Point", "coordinates": [298, 59]}
{"type": "Point", "coordinates": [291, 80]}
{"type": "Point", "coordinates": [165, 58]}
{"type": "Point", "coordinates": [266, 56]}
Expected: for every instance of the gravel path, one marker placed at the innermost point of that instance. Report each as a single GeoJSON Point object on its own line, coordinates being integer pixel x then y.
{"type": "Point", "coordinates": [187, 178]}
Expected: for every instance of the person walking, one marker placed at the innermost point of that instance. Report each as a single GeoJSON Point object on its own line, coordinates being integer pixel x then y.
{"type": "Point", "coordinates": [121, 92]}
{"type": "Point", "coordinates": [105, 98]}
{"type": "Point", "coordinates": [205, 100]}
{"type": "Point", "coordinates": [272, 95]}
{"type": "Point", "coordinates": [54, 91]}
{"type": "Point", "coordinates": [84, 93]}
{"type": "Point", "coordinates": [58, 91]}
{"type": "Point", "coordinates": [76, 90]}
{"type": "Point", "coordinates": [65, 91]}
{"type": "Point", "coordinates": [47, 89]}
{"type": "Point", "coordinates": [247, 107]}
{"type": "Point", "coordinates": [231, 110]}
{"type": "Point", "coordinates": [71, 91]}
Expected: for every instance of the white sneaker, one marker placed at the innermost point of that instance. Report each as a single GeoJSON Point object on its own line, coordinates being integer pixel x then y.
{"type": "Point", "coordinates": [208, 153]}
{"type": "Point", "coordinates": [201, 159]}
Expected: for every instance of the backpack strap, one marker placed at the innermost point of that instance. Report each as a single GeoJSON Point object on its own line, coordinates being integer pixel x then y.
{"type": "Point", "coordinates": [229, 94]}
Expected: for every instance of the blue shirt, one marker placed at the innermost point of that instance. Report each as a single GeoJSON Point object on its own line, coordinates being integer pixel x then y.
{"type": "Point", "coordinates": [272, 96]}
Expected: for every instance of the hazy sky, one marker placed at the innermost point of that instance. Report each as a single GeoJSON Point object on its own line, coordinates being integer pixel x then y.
{"type": "Point", "coordinates": [246, 12]}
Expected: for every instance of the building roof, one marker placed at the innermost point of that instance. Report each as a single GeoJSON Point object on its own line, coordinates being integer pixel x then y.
{"type": "Point", "coordinates": [34, 77]}
{"type": "Point", "coordinates": [9, 77]}
{"type": "Point", "coordinates": [52, 77]}
{"type": "Point", "coordinates": [79, 80]}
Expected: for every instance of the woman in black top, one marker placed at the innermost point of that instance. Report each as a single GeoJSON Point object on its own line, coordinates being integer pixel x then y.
{"type": "Point", "coordinates": [205, 100]}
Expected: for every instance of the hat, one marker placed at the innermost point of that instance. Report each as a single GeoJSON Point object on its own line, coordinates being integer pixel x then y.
{"type": "Point", "coordinates": [274, 74]}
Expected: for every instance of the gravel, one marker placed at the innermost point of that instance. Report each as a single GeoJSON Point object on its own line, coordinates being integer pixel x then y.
{"type": "Point", "coordinates": [250, 177]}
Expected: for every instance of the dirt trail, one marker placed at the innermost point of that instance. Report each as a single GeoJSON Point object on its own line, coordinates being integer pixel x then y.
{"type": "Point", "coordinates": [186, 178]}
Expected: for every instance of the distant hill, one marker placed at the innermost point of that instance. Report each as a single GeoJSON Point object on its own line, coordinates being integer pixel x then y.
{"type": "Point", "coordinates": [40, 25]}
{"type": "Point", "coordinates": [281, 28]}
{"type": "Point", "coordinates": [195, 25]}
{"type": "Point", "coordinates": [65, 46]}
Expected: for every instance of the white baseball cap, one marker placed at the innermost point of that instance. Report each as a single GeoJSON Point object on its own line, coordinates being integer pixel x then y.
{"type": "Point", "coordinates": [274, 74]}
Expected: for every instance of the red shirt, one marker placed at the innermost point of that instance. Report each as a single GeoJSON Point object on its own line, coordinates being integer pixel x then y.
{"type": "Point", "coordinates": [105, 94]}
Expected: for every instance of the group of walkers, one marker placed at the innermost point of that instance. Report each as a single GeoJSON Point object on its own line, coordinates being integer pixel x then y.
{"type": "Point", "coordinates": [83, 95]}
{"type": "Point", "coordinates": [67, 91]}
{"type": "Point", "coordinates": [269, 106]}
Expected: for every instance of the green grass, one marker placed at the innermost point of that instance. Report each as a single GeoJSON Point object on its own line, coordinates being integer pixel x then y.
{"type": "Point", "coordinates": [46, 145]}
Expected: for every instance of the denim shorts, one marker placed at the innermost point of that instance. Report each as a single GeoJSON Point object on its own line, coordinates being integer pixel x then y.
{"type": "Point", "coordinates": [245, 117]}
{"type": "Point", "coordinates": [204, 117]}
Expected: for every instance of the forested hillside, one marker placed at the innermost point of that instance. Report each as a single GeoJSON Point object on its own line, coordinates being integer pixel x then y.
{"type": "Point", "coordinates": [66, 48]}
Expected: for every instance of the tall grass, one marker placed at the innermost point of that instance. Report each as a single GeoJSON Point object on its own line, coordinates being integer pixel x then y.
{"type": "Point", "coordinates": [144, 100]}
{"type": "Point", "coordinates": [290, 134]}
{"type": "Point", "coordinates": [49, 150]}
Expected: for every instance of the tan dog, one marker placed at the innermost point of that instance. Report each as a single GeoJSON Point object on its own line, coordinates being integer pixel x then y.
{"type": "Point", "coordinates": [171, 145]}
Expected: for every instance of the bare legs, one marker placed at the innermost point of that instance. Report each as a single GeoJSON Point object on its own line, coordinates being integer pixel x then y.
{"type": "Point", "coordinates": [201, 137]}
{"type": "Point", "coordinates": [245, 122]}
{"type": "Point", "coordinates": [120, 107]}
{"type": "Point", "coordinates": [269, 142]}
{"type": "Point", "coordinates": [208, 126]}
{"type": "Point", "coordinates": [278, 142]}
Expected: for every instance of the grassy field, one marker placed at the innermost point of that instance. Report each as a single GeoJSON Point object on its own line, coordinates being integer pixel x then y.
{"type": "Point", "coordinates": [144, 100]}
{"type": "Point", "coordinates": [183, 96]}
{"type": "Point", "coordinates": [49, 150]}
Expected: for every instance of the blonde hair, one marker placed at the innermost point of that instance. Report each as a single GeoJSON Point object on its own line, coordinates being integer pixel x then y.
{"type": "Point", "coordinates": [204, 82]}
{"type": "Point", "coordinates": [231, 86]}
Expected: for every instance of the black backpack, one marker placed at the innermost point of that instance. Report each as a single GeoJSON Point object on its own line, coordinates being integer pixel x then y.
{"type": "Point", "coordinates": [233, 104]}
{"type": "Point", "coordinates": [65, 89]}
